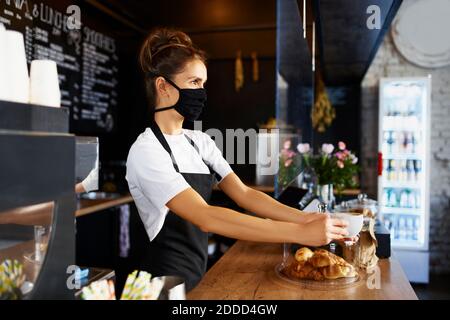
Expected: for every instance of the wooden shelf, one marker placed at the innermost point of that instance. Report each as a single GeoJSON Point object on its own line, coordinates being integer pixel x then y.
{"type": "Point", "coordinates": [91, 206]}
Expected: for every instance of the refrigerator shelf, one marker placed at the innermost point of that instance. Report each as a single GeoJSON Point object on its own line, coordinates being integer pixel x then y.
{"type": "Point", "coordinates": [401, 156]}
{"type": "Point", "coordinates": [393, 123]}
{"type": "Point", "coordinates": [397, 210]}
{"type": "Point", "coordinates": [402, 184]}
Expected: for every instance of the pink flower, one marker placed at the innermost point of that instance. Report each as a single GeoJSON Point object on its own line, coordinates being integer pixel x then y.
{"type": "Point", "coordinates": [340, 164]}
{"type": "Point", "coordinates": [288, 162]}
{"type": "Point", "coordinates": [327, 148]}
{"type": "Point", "coordinates": [354, 160]}
{"type": "Point", "coordinates": [340, 155]}
{"type": "Point", "coordinates": [303, 148]}
{"type": "Point", "coordinates": [341, 145]}
{"type": "Point", "coordinates": [287, 144]}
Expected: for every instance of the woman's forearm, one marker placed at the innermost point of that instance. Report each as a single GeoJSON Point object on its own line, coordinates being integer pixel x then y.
{"type": "Point", "coordinates": [236, 225]}
{"type": "Point", "coordinates": [265, 206]}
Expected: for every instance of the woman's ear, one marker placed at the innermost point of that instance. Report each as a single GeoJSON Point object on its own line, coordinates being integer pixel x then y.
{"type": "Point", "coordinates": [161, 87]}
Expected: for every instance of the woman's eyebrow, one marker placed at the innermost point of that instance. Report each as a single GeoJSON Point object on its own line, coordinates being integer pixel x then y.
{"type": "Point", "coordinates": [196, 78]}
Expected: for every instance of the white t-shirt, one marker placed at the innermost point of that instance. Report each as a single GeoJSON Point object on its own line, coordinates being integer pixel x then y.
{"type": "Point", "coordinates": [152, 179]}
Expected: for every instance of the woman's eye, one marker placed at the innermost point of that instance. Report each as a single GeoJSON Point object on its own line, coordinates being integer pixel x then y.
{"type": "Point", "coordinates": [195, 82]}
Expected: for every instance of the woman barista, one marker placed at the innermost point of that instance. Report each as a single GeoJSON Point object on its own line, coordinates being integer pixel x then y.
{"type": "Point", "coordinates": [171, 172]}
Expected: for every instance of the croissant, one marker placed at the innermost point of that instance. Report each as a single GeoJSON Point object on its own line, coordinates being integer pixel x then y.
{"type": "Point", "coordinates": [319, 265]}
{"type": "Point", "coordinates": [338, 271]}
{"type": "Point", "coordinates": [303, 254]}
{"type": "Point", "coordinates": [321, 258]}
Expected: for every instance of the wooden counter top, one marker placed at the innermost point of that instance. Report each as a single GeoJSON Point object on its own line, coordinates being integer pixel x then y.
{"type": "Point", "coordinates": [247, 271]}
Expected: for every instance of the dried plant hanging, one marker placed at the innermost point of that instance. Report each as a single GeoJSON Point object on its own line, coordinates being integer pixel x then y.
{"type": "Point", "coordinates": [239, 72]}
{"type": "Point", "coordinates": [322, 113]}
{"type": "Point", "coordinates": [255, 66]}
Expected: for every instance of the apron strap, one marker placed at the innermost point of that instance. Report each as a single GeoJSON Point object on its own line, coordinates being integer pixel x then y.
{"type": "Point", "coordinates": [159, 135]}
{"type": "Point", "coordinates": [218, 177]}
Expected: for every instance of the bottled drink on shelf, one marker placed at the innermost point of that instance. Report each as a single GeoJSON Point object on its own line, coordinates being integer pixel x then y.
{"type": "Point", "coordinates": [386, 137]}
{"type": "Point", "coordinates": [413, 142]}
{"type": "Point", "coordinates": [404, 198]}
{"type": "Point", "coordinates": [392, 141]}
{"type": "Point", "coordinates": [389, 171]}
{"type": "Point", "coordinates": [410, 228]}
{"type": "Point", "coordinates": [410, 175]}
{"type": "Point", "coordinates": [417, 169]}
{"type": "Point", "coordinates": [416, 228]}
{"type": "Point", "coordinates": [418, 200]}
{"type": "Point", "coordinates": [385, 168]}
{"type": "Point", "coordinates": [385, 199]}
{"type": "Point", "coordinates": [412, 200]}
{"type": "Point", "coordinates": [401, 142]}
{"type": "Point", "coordinates": [392, 199]}
{"type": "Point", "coordinates": [402, 228]}
{"type": "Point", "coordinates": [403, 171]}
{"type": "Point", "coordinates": [392, 175]}
{"type": "Point", "coordinates": [409, 147]}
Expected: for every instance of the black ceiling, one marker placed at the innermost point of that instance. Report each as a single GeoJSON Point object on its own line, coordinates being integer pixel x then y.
{"type": "Point", "coordinates": [347, 45]}
{"type": "Point", "coordinates": [294, 58]}
{"type": "Point", "coordinates": [220, 27]}
{"type": "Point", "coordinates": [191, 15]}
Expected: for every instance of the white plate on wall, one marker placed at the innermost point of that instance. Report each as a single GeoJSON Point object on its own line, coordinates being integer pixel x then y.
{"type": "Point", "coordinates": [421, 32]}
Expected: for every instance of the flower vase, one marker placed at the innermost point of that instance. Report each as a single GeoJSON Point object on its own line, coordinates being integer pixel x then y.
{"type": "Point", "coordinates": [326, 195]}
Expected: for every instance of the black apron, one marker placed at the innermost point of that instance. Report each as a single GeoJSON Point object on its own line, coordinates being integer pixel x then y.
{"type": "Point", "coordinates": [180, 248]}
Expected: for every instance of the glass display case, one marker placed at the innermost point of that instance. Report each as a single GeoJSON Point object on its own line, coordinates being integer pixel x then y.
{"type": "Point", "coordinates": [334, 266]}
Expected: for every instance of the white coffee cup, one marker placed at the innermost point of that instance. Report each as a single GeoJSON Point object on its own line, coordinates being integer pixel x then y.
{"type": "Point", "coordinates": [15, 67]}
{"type": "Point", "coordinates": [355, 222]}
{"type": "Point", "coordinates": [44, 83]}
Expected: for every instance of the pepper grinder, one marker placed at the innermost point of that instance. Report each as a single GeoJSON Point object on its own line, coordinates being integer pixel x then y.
{"type": "Point", "coordinates": [323, 209]}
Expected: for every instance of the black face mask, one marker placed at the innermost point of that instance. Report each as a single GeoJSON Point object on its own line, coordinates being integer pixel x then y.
{"type": "Point", "coordinates": [190, 104]}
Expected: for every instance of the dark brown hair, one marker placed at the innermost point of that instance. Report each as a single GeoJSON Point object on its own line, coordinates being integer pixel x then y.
{"type": "Point", "coordinates": [165, 52]}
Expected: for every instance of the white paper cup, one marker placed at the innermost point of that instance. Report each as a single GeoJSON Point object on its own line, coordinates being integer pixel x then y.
{"type": "Point", "coordinates": [15, 68]}
{"type": "Point", "coordinates": [355, 222]}
{"type": "Point", "coordinates": [44, 83]}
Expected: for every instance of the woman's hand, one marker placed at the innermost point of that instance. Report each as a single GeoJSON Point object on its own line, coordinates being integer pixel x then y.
{"type": "Point", "coordinates": [319, 230]}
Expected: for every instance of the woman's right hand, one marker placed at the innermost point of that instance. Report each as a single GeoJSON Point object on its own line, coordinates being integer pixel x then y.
{"type": "Point", "coordinates": [321, 229]}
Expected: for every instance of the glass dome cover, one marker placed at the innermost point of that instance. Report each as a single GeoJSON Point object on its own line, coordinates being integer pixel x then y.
{"type": "Point", "coordinates": [362, 204]}
{"type": "Point", "coordinates": [321, 268]}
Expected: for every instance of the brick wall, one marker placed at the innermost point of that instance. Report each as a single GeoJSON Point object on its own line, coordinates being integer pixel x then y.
{"type": "Point", "coordinates": [389, 62]}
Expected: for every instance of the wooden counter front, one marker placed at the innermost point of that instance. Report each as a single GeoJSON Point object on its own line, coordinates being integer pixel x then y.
{"type": "Point", "coordinates": [247, 271]}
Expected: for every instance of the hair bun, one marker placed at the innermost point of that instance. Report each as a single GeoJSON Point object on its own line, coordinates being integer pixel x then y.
{"type": "Point", "coordinates": [160, 39]}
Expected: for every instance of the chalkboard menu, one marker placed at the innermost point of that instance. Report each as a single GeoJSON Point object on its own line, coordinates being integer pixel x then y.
{"type": "Point", "coordinates": [87, 61]}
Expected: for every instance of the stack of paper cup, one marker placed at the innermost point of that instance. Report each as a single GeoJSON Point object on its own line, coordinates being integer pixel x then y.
{"type": "Point", "coordinates": [3, 82]}
{"type": "Point", "coordinates": [14, 67]}
{"type": "Point", "coordinates": [44, 83]}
